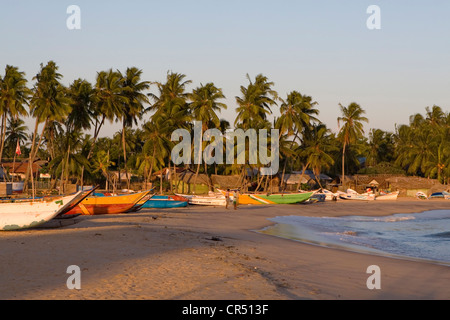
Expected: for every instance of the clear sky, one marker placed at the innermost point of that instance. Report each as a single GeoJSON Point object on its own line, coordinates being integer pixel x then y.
{"type": "Point", "coordinates": [320, 48]}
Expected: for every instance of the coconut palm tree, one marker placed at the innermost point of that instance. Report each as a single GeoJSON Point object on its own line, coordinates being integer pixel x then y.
{"type": "Point", "coordinates": [204, 108]}
{"type": "Point", "coordinates": [317, 151]}
{"type": "Point", "coordinates": [297, 116]}
{"type": "Point", "coordinates": [82, 96]}
{"type": "Point", "coordinates": [14, 96]}
{"type": "Point", "coordinates": [171, 104]}
{"type": "Point", "coordinates": [48, 103]}
{"type": "Point", "coordinates": [133, 109]}
{"type": "Point", "coordinates": [108, 100]}
{"type": "Point", "coordinates": [352, 119]}
{"type": "Point", "coordinates": [157, 141]}
{"type": "Point", "coordinates": [255, 102]}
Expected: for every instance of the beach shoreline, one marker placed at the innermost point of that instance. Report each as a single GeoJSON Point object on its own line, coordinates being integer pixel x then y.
{"type": "Point", "coordinates": [206, 253]}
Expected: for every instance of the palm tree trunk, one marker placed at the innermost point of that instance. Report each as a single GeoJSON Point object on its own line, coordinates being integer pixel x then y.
{"type": "Point", "coordinates": [29, 167]}
{"type": "Point", "coordinates": [3, 133]}
{"type": "Point", "coordinates": [125, 155]}
{"type": "Point", "coordinates": [343, 167]}
{"type": "Point", "coordinates": [161, 182]}
{"type": "Point", "coordinates": [301, 176]}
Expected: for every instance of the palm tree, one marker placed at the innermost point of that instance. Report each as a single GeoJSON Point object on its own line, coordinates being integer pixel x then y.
{"type": "Point", "coordinates": [255, 102]}
{"type": "Point", "coordinates": [133, 109]}
{"type": "Point", "coordinates": [16, 135]}
{"type": "Point", "coordinates": [170, 105]}
{"type": "Point", "coordinates": [48, 103]}
{"type": "Point", "coordinates": [380, 147]}
{"type": "Point", "coordinates": [14, 96]}
{"type": "Point", "coordinates": [254, 105]}
{"type": "Point", "coordinates": [204, 106]}
{"type": "Point", "coordinates": [297, 115]}
{"type": "Point", "coordinates": [352, 129]}
{"type": "Point", "coordinates": [156, 135]}
{"type": "Point", "coordinates": [82, 96]}
{"type": "Point", "coordinates": [317, 151]}
{"type": "Point", "coordinates": [107, 102]}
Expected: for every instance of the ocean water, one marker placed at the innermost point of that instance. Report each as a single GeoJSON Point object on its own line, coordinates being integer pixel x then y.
{"type": "Point", "coordinates": [423, 235]}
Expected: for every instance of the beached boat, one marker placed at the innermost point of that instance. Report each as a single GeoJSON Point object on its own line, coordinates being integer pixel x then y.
{"type": "Point", "coordinates": [28, 213]}
{"type": "Point", "coordinates": [440, 195]}
{"type": "Point", "coordinates": [17, 186]}
{"type": "Point", "coordinates": [280, 198]}
{"type": "Point", "coordinates": [329, 196]}
{"type": "Point", "coordinates": [421, 196]}
{"type": "Point", "coordinates": [214, 200]}
{"type": "Point", "coordinates": [274, 198]}
{"type": "Point", "coordinates": [353, 195]}
{"type": "Point", "coordinates": [114, 204]}
{"type": "Point", "coordinates": [388, 196]}
{"type": "Point", "coordinates": [169, 201]}
{"type": "Point", "coordinates": [138, 205]}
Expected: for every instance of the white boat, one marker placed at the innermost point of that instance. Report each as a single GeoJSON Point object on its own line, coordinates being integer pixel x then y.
{"type": "Point", "coordinates": [17, 186]}
{"type": "Point", "coordinates": [388, 196]}
{"type": "Point", "coordinates": [218, 200]}
{"type": "Point", "coordinates": [353, 195]}
{"type": "Point", "coordinates": [329, 196]}
{"type": "Point", "coordinates": [28, 213]}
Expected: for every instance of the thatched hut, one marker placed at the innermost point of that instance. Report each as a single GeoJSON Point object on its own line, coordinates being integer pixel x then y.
{"type": "Point", "coordinates": [409, 186]}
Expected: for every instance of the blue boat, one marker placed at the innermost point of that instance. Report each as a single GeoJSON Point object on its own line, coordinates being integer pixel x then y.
{"type": "Point", "coordinates": [165, 202]}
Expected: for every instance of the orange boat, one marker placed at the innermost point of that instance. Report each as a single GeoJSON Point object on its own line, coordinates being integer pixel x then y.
{"type": "Point", "coordinates": [108, 205]}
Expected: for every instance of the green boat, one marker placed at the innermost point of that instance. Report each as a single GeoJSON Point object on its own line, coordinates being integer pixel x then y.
{"type": "Point", "coordinates": [279, 198]}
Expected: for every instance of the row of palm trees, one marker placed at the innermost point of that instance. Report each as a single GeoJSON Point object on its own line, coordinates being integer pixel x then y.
{"type": "Point", "coordinates": [71, 119]}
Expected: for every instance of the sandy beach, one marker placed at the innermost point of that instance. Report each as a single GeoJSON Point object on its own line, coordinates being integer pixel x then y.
{"type": "Point", "coordinates": [204, 253]}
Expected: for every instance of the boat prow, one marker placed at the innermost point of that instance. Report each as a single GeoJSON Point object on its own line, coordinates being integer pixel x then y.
{"type": "Point", "coordinates": [30, 213]}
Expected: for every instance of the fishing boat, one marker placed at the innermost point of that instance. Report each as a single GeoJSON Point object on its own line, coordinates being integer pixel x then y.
{"type": "Point", "coordinates": [20, 214]}
{"type": "Point", "coordinates": [353, 195]}
{"type": "Point", "coordinates": [138, 205]}
{"type": "Point", "coordinates": [210, 200]}
{"type": "Point", "coordinates": [327, 194]}
{"type": "Point", "coordinates": [274, 198]}
{"type": "Point", "coordinates": [279, 198]}
{"type": "Point", "coordinates": [388, 196]}
{"type": "Point", "coordinates": [421, 195]}
{"type": "Point", "coordinates": [170, 201]}
{"type": "Point", "coordinates": [17, 186]}
{"type": "Point", "coordinates": [440, 195]}
{"type": "Point", "coordinates": [113, 204]}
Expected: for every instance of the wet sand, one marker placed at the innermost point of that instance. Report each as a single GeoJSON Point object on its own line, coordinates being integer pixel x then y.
{"type": "Point", "coordinates": [206, 253]}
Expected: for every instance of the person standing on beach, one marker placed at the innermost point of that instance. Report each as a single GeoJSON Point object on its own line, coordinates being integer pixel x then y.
{"type": "Point", "coordinates": [227, 198]}
{"type": "Point", "coordinates": [235, 199]}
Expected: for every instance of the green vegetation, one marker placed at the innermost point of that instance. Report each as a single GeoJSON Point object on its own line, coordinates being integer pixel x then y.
{"type": "Point", "coordinates": [72, 117]}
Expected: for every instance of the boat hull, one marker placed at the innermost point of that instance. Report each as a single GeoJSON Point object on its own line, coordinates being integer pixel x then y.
{"type": "Point", "coordinates": [99, 205]}
{"type": "Point", "coordinates": [388, 196]}
{"type": "Point", "coordinates": [287, 198]}
{"type": "Point", "coordinates": [358, 197]}
{"type": "Point", "coordinates": [166, 202]}
{"type": "Point", "coordinates": [277, 198]}
{"type": "Point", "coordinates": [205, 200]}
{"type": "Point", "coordinates": [24, 214]}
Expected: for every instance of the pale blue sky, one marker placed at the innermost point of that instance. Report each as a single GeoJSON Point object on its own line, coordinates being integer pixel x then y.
{"type": "Point", "coordinates": [320, 48]}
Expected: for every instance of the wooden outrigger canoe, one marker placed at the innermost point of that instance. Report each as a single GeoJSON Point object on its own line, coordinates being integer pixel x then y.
{"type": "Point", "coordinates": [20, 214]}
{"type": "Point", "coordinates": [168, 201]}
{"type": "Point", "coordinates": [205, 200]}
{"type": "Point", "coordinates": [275, 198]}
{"type": "Point", "coordinates": [108, 204]}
